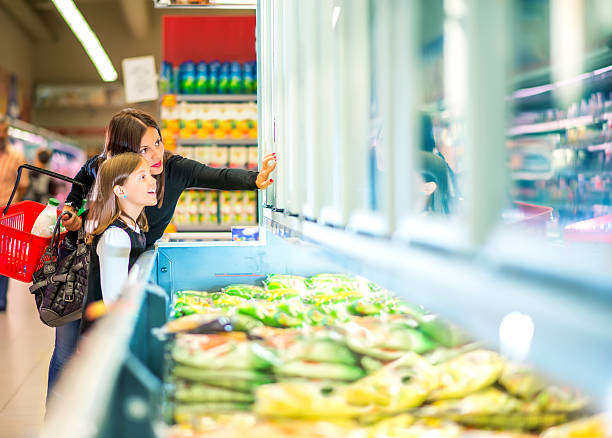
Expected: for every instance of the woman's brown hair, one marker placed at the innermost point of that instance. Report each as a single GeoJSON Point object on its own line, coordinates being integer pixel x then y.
{"type": "Point", "coordinates": [124, 133]}
{"type": "Point", "coordinates": [105, 207]}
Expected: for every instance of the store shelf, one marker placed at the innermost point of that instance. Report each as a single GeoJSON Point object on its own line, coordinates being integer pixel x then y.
{"type": "Point", "coordinates": [215, 141]}
{"type": "Point", "coordinates": [557, 125]}
{"type": "Point", "coordinates": [221, 98]}
{"type": "Point", "coordinates": [161, 4]}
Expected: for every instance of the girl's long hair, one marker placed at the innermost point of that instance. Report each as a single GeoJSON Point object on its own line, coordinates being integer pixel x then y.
{"type": "Point", "coordinates": [124, 133]}
{"type": "Point", "coordinates": [105, 207]}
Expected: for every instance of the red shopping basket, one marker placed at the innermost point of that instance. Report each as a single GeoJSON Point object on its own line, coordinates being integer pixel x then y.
{"type": "Point", "coordinates": [21, 252]}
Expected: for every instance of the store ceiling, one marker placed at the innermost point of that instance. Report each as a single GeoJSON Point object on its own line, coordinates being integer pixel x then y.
{"type": "Point", "coordinates": [33, 15]}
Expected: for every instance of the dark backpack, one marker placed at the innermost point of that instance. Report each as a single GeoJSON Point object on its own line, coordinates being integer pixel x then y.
{"type": "Point", "coordinates": [59, 287]}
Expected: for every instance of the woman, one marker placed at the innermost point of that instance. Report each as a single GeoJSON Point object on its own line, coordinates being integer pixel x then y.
{"type": "Point", "coordinates": [132, 130]}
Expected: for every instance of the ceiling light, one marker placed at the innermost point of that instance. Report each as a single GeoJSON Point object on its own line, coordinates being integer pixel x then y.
{"type": "Point", "coordinates": [88, 39]}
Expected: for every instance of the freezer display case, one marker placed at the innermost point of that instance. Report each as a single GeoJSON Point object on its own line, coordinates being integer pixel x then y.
{"type": "Point", "coordinates": [319, 350]}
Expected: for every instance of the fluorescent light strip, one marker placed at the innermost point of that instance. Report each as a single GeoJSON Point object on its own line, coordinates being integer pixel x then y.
{"type": "Point", "coordinates": [88, 39]}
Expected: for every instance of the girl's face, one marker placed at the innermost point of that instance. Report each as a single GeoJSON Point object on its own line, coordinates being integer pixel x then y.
{"type": "Point", "coordinates": [152, 150]}
{"type": "Point", "coordinates": [140, 188]}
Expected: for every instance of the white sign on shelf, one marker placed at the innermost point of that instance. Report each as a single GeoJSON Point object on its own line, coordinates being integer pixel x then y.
{"type": "Point", "coordinates": [140, 79]}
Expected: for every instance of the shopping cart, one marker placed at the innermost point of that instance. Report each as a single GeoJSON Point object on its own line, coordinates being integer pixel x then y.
{"type": "Point", "coordinates": [21, 252]}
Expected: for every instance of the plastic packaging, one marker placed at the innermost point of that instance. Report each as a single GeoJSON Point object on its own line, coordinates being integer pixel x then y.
{"type": "Point", "coordinates": [45, 222]}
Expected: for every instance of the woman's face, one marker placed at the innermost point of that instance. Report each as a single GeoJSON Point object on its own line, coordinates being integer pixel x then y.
{"type": "Point", "coordinates": [152, 150]}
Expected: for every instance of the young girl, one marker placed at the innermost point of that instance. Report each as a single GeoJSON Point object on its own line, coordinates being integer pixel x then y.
{"type": "Point", "coordinates": [116, 224]}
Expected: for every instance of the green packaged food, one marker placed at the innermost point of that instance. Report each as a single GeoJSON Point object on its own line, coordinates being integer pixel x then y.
{"type": "Point", "coordinates": [313, 370]}
{"type": "Point", "coordinates": [272, 314]}
{"type": "Point", "coordinates": [183, 412]}
{"type": "Point", "coordinates": [244, 323]}
{"type": "Point", "coordinates": [339, 282]}
{"type": "Point", "coordinates": [202, 393]}
{"type": "Point", "coordinates": [237, 379]}
{"type": "Point", "coordinates": [246, 291]}
{"type": "Point", "coordinates": [364, 307]}
{"type": "Point", "coordinates": [521, 381]}
{"type": "Point", "coordinates": [277, 294]}
{"type": "Point", "coordinates": [467, 374]}
{"type": "Point", "coordinates": [442, 331]}
{"type": "Point", "coordinates": [280, 281]}
{"type": "Point", "coordinates": [403, 384]}
{"type": "Point", "coordinates": [321, 350]}
{"type": "Point", "coordinates": [221, 352]}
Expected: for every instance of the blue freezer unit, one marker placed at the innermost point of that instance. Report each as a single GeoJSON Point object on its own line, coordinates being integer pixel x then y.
{"type": "Point", "coordinates": [114, 388]}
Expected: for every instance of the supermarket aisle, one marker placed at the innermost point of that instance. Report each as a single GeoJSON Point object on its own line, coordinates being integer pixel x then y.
{"type": "Point", "coordinates": [25, 349]}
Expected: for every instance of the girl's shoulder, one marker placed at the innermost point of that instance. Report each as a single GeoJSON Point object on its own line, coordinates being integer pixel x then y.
{"type": "Point", "coordinates": [113, 242]}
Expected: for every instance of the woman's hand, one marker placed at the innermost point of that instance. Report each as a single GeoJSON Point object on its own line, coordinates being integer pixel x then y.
{"type": "Point", "coordinates": [268, 165]}
{"type": "Point", "coordinates": [75, 222]}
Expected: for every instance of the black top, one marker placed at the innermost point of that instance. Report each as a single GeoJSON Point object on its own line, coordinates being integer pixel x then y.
{"type": "Point", "coordinates": [94, 286]}
{"type": "Point", "coordinates": [180, 173]}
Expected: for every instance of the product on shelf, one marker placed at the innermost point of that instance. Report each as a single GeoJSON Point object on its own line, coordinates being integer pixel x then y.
{"type": "Point", "coordinates": [200, 209]}
{"type": "Point", "coordinates": [196, 207]}
{"type": "Point", "coordinates": [208, 77]}
{"type": "Point", "coordinates": [561, 158]}
{"type": "Point", "coordinates": [191, 121]}
{"type": "Point", "coordinates": [399, 371]}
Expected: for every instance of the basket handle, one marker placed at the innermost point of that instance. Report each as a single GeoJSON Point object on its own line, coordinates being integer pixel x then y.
{"type": "Point", "coordinates": [39, 170]}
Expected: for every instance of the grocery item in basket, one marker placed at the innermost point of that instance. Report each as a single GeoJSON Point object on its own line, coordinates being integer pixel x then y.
{"type": "Point", "coordinates": [400, 385]}
{"type": "Point", "coordinates": [45, 222]}
{"type": "Point", "coordinates": [223, 351]}
{"type": "Point", "coordinates": [280, 281]}
{"type": "Point", "coordinates": [467, 374]}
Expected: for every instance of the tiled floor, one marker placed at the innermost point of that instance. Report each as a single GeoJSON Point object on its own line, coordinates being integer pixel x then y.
{"type": "Point", "coordinates": [25, 350]}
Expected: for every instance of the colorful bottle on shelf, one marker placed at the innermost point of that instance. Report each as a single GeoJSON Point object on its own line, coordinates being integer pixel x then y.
{"type": "Point", "coordinates": [213, 77]}
{"type": "Point", "coordinates": [187, 77]}
{"type": "Point", "coordinates": [236, 80]}
{"type": "Point", "coordinates": [202, 78]}
{"type": "Point", "coordinates": [224, 78]}
{"type": "Point", "coordinates": [249, 78]}
{"type": "Point", "coordinates": [166, 78]}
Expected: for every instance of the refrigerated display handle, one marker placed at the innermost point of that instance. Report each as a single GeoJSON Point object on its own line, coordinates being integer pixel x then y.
{"type": "Point", "coordinates": [39, 170]}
